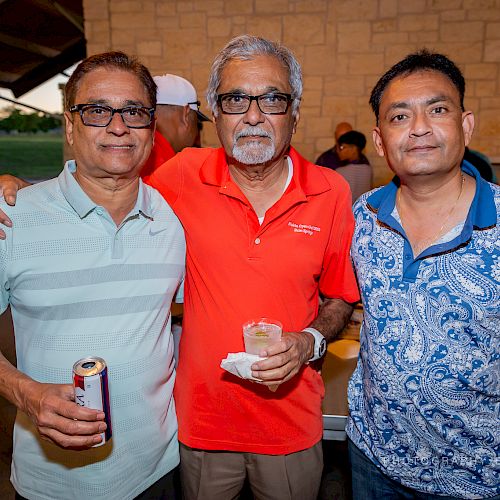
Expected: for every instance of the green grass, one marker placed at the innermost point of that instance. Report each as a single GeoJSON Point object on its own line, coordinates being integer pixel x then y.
{"type": "Point", "coordinates": [31, 156]}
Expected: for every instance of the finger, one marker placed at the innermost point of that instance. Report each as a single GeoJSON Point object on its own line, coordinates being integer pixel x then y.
{"type": "Point", "coordinates": [272, 362]}
{"type": "Point", "coordinates": [72, 411]}
{"type": "Point", "coordinates": [73, 427]}
{"type": "Point", "coordinates": [69, 442]}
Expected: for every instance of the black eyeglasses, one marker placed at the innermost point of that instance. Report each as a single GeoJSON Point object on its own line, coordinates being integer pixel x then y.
{"type": "Point", "coordinates": [97, 115]}
{"type": "Point", "coordinates": [272, 103]}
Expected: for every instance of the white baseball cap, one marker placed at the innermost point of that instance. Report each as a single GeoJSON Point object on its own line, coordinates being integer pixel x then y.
{"type": "Point", "coordinates": [173, 89]}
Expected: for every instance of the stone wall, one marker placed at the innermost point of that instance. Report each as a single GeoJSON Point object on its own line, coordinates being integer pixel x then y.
{"type": "Point", "coordinates": [343, 46]}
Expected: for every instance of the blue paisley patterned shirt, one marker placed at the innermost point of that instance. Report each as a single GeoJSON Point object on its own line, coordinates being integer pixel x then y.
{"type": "Point", "coordinates": [425, 396]}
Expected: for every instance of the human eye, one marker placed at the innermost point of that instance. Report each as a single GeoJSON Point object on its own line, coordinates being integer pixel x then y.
{"type": "Point", "coordinates": [96, 110]}
{"type": "Point", "coordinates": [273, 98]}
{"type": "Point", "coordinates": [439, 110]}
{"type": "Point", "coordinates": [235, 98]}
{"type": "Point", "coordinates": [399, 117]}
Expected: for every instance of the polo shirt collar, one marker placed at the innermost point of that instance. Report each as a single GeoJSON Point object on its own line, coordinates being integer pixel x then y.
{"type": "Point", "coordinates": [307, 178]}
{"type": "Point", "coordinates": [482, 213]}
{"type": "Point", "coordinates": [83, 205]}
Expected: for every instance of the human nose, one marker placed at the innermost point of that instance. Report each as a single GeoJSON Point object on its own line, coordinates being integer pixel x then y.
{"type": "Point", "coordinates": [254, 115]}
{"type": "Point", "coordinates": [420, 125]}
{"type": "Point", "coordinates": [117, 125]}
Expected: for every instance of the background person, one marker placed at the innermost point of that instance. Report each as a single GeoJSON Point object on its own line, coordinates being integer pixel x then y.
{"type": "Point", "coordinates": [425, 397]}
{"type": "Point", "coordinates": [359, 175]}
{"type": "Point", "coordinates": [90, 267]}
{"type": "Point", "coordinates": [330, 157]}
{"type": "Point", "coordinates": [178, 120]}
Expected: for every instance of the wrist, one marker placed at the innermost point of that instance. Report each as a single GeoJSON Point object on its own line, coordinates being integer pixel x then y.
{"type": "Point", "coordinates": [319, 345]}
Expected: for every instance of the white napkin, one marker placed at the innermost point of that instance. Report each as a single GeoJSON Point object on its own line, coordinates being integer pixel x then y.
{"type": "Point", "coordinates": [239, 363]}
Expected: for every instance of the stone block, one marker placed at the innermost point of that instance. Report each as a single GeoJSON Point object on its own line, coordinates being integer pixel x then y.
{"type": "Point", "coordinates": [489, 123]}
{"type": "Point", "coordinates": [311, 6]}
{"type": "Point", "coordinates": [492, 31]}
{"type": "Point", "coordinates": [193, 20]}
{"type": "Point", "coordinates": [481, 71]}
{"type": "Point", "coordinates": [274, 7]}
{"type": "Point", "coordinates": [313, 82]}
{"type": "Point", "coordinates": [219, 26]}
{"type": "Point", "coordinates": [461, 53]}
{"type": "Point", "coordinates": [462, 32]}
{"type": "Point", "coordinates": [149, 48]}
{"type": "Point", "coordinates": [485, 88]}
{"type": "Point", "coordinates": [96, 48]}
{"type": "Point", "coordinates": [121, 37]}
{"type": "Point", "coordinates": [354, 37]}
{"type": "Point", "coordinates": [389, 38]}
{"type": "Point", "coordinates": [167, 22]}
{"type": "Point", "coordinates": [344, 85]}
{"type": "Point", "coordinates": [484, 15]}
{"type": "Point", "coordinates": [413, 7]}
{"type": "Point", "coordinates": [318, 60]}
{"type": "Point", "coordinates": [125, 6]}
{"type": "Point", "coordinates": [396, 52]}
{"type": "Point", "coordinates": [303, 29]}
{"type": "Point", "coordinates": [366, 64]}
{"type": "Point", "coordinates": [318, 126]}
{"type": "Point", "coordinates": [479, 4]}
{"type": "Point", "coordinates": [185, 6]}
{"type": "Point", "coordinates": [166, 8]}
{"type": "Point", "coordinates": [424, 22]}
{"type": "Point", "coordinates": [95, 9]}
{"type": "Point", "coordinates": [311, 97]}
{"type": "Point", "coordinates": [388, 8]}
{"type": "Point", "coordinates": [445, 5]}
{"type": "Point", "coordinates": [266, 26]}
{"type": "Point", "coordinates": [492, 51]}
{"type": "Point", "coordinates": [211, 7]}
{"type": "Point", "coordinates": [353, 10]}
{"type": "Point", "coordinates": [420, 37]}
{"type": "Point", "coordinates": [384, 25]}
{"type": "Point", "coordinates": [238, 7]}
{"type": "Point", "coordinates": [99, 25]}
{"type": "Point", "coordinates": [133, 20]}
{"type": "Point", "coordinates": [453, 15]}
{"type": "Point", "coordinates": [338, 107]}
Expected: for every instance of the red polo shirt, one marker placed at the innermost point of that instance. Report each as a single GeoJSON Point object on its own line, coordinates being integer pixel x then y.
{"type": "Point", "coordinates": [237, 269]}
{"type": "Point", "coordinates": [162, 151]}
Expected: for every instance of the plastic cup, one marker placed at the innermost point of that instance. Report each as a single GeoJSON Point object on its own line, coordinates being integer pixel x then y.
{"type": "Point", "coordinates": [261, 333]}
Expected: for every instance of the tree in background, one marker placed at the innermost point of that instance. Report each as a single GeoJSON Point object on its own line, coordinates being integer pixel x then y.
{"type": "Point", "coordinates": [18, 121]}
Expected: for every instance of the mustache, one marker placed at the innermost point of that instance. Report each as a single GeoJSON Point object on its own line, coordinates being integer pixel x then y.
{"type": "Point", "coordinates": [252, 131]}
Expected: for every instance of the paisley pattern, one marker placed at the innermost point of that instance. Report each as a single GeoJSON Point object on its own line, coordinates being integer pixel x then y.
{"type": "Point", "coordinates": [425, 396]}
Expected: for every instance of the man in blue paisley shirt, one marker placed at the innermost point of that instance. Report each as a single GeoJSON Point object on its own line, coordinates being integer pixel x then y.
{"type": "Point", "coordinates": [425, 397]}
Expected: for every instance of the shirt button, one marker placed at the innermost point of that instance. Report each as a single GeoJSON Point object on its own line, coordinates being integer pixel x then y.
{"type": "Point", "coordinates": [257, 241]}
{"type": "Point", "coordinates": [99, 211]}
{"type": "Point", "coordinates": [407, 256]}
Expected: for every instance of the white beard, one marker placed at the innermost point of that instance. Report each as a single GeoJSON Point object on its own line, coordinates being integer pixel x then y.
{"type": "Point", "coordinates": [253, 152]}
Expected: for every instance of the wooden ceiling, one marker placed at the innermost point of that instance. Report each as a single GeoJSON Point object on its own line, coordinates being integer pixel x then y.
{"type": "Point", "coordinates": [38, 40]}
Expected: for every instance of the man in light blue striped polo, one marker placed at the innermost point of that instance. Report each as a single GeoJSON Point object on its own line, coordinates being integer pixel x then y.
{"type": "Point", "coordinates": [90, 266]}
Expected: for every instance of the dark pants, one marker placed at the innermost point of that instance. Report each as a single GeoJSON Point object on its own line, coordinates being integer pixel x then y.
{"type": "Point", "coordinates": [166, 488]}
{"type": "Point", "coordinates": [369, 483]}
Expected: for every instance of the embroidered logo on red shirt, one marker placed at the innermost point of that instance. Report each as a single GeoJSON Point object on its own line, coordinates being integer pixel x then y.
{"type": "Point", "coordinates": [304, 228]}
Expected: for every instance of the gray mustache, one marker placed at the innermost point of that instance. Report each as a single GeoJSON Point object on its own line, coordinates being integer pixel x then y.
{"type": "Point", "coordinates": [255, 131]}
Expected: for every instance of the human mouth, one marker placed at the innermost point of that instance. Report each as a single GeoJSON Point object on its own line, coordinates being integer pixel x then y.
{"type": "Point", "coordinates": [117, 147]}
{"type": "Point", "coordinates": [422, 148]}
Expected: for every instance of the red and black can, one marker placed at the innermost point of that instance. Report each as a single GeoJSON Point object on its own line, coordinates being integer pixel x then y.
{"type": "Point", "coordinates": [90, 379]}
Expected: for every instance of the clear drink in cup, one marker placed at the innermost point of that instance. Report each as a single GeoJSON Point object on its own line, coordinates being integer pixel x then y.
{"type": "Point", "coordinates": [259, 334]}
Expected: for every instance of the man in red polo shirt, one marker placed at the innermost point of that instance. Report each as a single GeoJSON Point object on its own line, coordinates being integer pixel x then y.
{"type": "Point", "coordinates": [177, 120]}
{"type": "Point", "coordinates": [267, 233]}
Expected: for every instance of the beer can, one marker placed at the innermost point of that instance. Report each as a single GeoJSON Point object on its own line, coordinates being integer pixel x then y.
{"type": "Point", "coordinates": [90, 380]}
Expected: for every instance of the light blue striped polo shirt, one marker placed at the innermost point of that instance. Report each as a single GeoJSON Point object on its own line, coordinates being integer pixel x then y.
{"type": "Point", "coordinates": [78, 285]}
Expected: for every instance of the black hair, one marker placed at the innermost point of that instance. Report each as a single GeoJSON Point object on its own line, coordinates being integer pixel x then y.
{"type": "Point", "coordinates": [353, 137]}
{"type": "Point", "coordinates": [423, 60]}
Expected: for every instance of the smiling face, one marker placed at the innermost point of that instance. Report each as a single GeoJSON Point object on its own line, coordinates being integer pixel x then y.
{"type": "Point", "coordinates": [255, 138]}
{"type": "Point", "coordinates": [422, 129]}
{"type": "Point", "coordinates": [116, 150]}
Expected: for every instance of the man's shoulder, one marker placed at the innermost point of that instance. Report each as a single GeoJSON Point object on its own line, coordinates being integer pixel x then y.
{"type": "Point", "coordinates": [35, 197]}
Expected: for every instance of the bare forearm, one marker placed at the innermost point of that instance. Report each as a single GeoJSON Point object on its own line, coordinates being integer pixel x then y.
{"type": "Point", "coordinates": [333, 316]}
{"type": "Point", "coordinates": [13, 383]}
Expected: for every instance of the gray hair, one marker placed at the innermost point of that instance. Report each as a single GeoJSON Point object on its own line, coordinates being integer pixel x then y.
{"type": "Point", "coordinates": [246, 47]}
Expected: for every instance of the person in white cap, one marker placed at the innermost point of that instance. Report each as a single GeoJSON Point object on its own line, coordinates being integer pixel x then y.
{"type": "Point", "coordinates": [177, 119]}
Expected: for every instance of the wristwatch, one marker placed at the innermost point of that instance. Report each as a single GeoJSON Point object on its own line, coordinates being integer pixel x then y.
{"type": "Point", "coordinates": [319, 343]}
